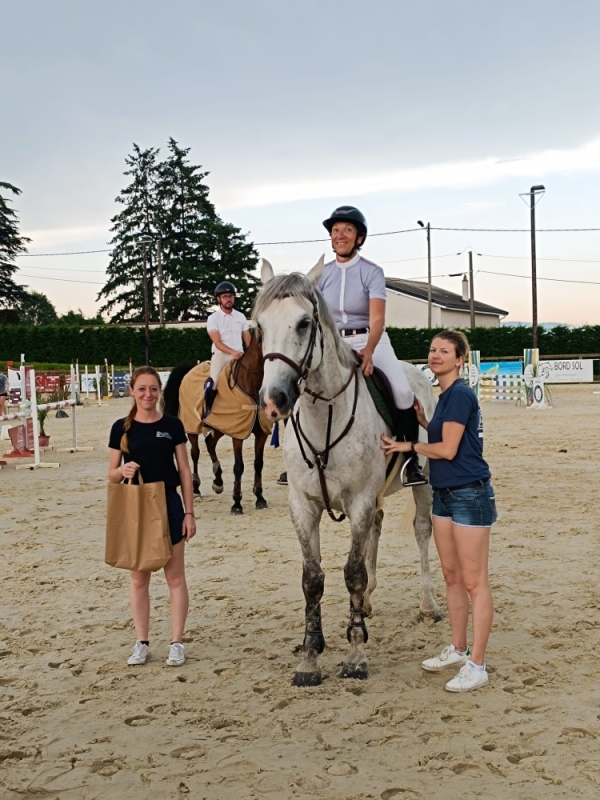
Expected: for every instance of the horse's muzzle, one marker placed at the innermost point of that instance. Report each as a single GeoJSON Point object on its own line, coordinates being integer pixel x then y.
{"type": "Point", "coordinates": [277, 402]}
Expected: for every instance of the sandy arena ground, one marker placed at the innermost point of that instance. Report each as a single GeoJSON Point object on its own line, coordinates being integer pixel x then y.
{"type": "Point", "coordinates": [76, 722]}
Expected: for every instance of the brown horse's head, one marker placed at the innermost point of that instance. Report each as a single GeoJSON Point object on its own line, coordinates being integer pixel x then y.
{"type": "Point", "coordinates": [248, 371]}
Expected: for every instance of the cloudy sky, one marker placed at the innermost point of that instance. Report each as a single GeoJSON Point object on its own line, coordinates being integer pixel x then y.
{"type": "Point", "coordinates": [440, 110]}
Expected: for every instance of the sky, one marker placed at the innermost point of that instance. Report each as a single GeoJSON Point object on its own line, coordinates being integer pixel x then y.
{"type": "Point", "coordinates": [437, 111]}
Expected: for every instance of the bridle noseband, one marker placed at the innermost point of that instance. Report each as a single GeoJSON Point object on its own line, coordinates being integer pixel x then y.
{"type": "Point", "coordinates": [321, 457]}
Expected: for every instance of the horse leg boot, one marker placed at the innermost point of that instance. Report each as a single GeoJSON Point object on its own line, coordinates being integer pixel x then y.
{"type": "Point", "coordinates": [260, 440]}
{"type": "Point", "coordinates": [406, 427]}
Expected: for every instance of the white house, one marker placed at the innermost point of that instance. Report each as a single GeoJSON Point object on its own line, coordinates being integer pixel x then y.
{"type": "Point", "coordinates": [407, 307]}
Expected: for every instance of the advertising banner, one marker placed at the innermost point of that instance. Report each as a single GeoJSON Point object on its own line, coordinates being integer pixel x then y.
{"type": "Point", "coordinates": [571, 370]}
{"type": "Point", "coordinates": [493, 369]}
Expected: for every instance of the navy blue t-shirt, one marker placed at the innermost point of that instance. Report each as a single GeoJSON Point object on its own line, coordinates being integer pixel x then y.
{"type": "Point", "coordinates": [152, 446]}
{"type": "Point", "coordinates": [458, 404]}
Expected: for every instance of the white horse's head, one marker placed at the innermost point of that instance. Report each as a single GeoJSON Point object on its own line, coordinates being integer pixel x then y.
{"type": "Point", "coordinates": [286, 315]}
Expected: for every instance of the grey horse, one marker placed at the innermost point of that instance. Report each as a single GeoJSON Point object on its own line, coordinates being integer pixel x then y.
{"type": "Point", "coordinates": [332, 454]}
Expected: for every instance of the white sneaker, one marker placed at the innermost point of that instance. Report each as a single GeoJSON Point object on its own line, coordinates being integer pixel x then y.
{"type": "Point", "coordinates": [139, 654]}
{"type": "Point", "coordinates": [176, 655]}
{"type": "Point", "coordinates": [468, 678]}
{"type": "Point", "coordinates": [449, 657]}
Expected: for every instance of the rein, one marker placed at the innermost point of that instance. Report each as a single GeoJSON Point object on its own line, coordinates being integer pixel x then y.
{"type": "Point", "coordinates": [321, 457]}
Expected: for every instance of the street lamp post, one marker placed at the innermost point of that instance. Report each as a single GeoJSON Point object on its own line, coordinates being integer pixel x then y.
{"type": "Point", "coordinates": [534, 309]}
{"type": "Point", "coordinates": [144, 241]}
{"type": "Point", "coordinates": [428, 228]}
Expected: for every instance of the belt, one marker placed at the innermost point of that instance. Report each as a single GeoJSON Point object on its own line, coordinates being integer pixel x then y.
{"type": "Point", "coordinates": [353, 332]}
{"type": "Point", "coordinates": [472, 485]}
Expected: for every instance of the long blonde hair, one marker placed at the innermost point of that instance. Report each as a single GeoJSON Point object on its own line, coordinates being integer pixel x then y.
{"type": "Point", "coordinates": [132, 411]}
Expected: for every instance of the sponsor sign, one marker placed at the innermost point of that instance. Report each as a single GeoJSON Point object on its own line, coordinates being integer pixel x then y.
{"type": "Point", "coordinates": [571, 370]}
{"type": "Point", "coordinates": [46, 384]}
{"type": "Point", "coordinates": [493, 369]}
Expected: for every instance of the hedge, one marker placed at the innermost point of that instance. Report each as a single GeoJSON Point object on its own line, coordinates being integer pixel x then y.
{"type": "Point", "coordinates": [169, 346]}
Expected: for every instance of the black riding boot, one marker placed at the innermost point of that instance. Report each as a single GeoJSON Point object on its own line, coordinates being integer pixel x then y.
{"type": "Point", "coordinates": [407, 430]}
{"type": "Point", "coordinates": [209, 396]}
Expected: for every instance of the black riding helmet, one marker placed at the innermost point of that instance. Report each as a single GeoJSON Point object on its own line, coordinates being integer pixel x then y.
{"type": "Point", "coordinates": [225, 287]}
{"type": "Point", "coordinates": [348, 214]}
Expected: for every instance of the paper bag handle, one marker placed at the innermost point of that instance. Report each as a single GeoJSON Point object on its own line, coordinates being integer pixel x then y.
{"type": "Point", "coordinates": [130, 480]}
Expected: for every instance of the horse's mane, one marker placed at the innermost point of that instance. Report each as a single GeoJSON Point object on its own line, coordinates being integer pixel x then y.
{"type": "Point", "coordinates": [298, 285]}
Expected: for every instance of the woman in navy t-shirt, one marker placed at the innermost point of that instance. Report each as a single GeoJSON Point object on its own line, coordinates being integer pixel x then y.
{"type": "Point", "coordinates": [464, 509]}
{"type": "Point", "coordinates": [154, 444]}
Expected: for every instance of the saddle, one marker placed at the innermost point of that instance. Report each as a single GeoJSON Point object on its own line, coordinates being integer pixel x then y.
{"type": "Point", "coordinates": [381, 393]}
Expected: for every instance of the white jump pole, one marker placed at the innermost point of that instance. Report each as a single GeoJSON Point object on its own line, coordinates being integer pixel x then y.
{"type": "Point", "coordinates": [98, 392]}
{"type": "Point", "coordinates": [87, 384]}
{"type": "Point", "coordinates": [37, 464]}
{"type": "Point", "coordinates": [77, 380]}
{"type": "Point", "coordinates": [112, 376]}
{"type": "Point", "coordinates": [74, 448]}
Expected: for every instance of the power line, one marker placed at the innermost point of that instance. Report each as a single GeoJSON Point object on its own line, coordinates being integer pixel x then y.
{"type": "Point", "coordinates": [64, 280]}
{"type": "Point", "coordinates": [70, 253]}
{"type": "Point", "coordinates": [518, 230]}
{"type": "Point", "coordinates": [528, 277]}
{"type": "Point", "coordinates": [566, 260]}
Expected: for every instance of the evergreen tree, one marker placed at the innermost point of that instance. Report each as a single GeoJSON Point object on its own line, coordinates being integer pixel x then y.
{"type": "Point", "coordinates": [199, 249]}
{"type": "Point", "coordinates": [36, 309]}
{"type": "Point", "coordinates": [12, 244]}
{"type": "Point", "coordinates": [123, 294]}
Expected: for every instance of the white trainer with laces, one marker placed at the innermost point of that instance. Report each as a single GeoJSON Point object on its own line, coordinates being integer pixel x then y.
{"type": "Point", "coordinates": [176, 655]}
{"type": "Point", "coordinates": [469, 678]}
{"type": "Point", "coordinates": [139, 654]}
{"type": "Point", "coordinates": [449, 657]}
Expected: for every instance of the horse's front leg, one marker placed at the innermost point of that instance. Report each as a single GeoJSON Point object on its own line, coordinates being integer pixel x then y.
{"type": "Point", "coordinates": [371, 561]}
{"type": "Point", "coordinates": [238, 471]}
{"type": "Point", "coordinates": [195, 453]}
{"type": "Point", "coordinates": [211, 447]}
{"type": "Point", "coordinates": [429, 609]}
{"type": "Point", "coordinates": [357, 579]}
{"type": "Point", "coordinates": [260, 439]}
{"type": "Point", "coordinates": [306, 517]}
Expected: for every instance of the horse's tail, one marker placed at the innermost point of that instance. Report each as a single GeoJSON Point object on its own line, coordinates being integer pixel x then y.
{"type": "Point", "coordinates": [170, 398]}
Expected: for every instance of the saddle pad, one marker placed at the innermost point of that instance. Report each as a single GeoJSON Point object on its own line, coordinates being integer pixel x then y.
{"type": "Point", "coordinates": [233, 411]}
{"type": "Point", "coordinates": [381, 394]}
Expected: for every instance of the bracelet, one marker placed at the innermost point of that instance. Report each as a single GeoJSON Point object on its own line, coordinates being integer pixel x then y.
{"type": "Point", "coordinates": [412, 446]}
{"type": "Point", "coordinates": [189, 514]}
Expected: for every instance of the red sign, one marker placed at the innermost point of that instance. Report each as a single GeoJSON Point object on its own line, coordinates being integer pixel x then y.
{"type": "Point", "coordinates": [46, 384]}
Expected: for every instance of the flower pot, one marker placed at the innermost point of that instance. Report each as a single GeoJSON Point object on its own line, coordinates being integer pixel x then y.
{"type": "Point", "coordinates": [44, 441]}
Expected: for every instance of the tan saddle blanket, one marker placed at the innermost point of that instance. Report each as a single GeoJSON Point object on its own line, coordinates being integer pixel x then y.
{"type": "Point", "coordinates": [233, 411]}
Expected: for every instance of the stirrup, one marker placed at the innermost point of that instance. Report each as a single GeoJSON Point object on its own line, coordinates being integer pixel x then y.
{"type": "Point", "coordinates": [418, 479]}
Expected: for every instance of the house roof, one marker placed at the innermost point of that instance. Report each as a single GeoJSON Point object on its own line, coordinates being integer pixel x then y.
{"type": "Point", "coordinates": [440, 297]}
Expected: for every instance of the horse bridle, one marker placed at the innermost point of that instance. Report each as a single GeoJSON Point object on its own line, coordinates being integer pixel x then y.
{"type": "Point", "coordinates": [321, 457]}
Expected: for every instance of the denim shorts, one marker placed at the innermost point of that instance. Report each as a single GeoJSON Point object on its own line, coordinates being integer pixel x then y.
{"type": "Point", "coordinates": [175, 514]}
{"type": "Point", "coordinates": [473, 508]}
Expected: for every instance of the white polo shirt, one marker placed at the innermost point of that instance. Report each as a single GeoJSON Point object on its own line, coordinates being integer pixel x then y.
{"type": "Point", "coordinates": [230, 328]}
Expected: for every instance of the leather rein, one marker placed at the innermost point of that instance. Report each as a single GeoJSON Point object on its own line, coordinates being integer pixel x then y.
{"type": "Point", "coordinates": [321, 457]}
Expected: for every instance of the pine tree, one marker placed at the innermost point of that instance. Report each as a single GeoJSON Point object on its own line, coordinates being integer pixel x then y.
{"type": "Point", "coordinates": [12, 244]}
{"type": "Point", "coordinates": [199, 249]}
{"type": "Point", "coordinates": [124, 291]}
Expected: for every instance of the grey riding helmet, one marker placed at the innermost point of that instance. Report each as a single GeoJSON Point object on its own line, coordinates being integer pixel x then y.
{"type": "Point", "coordinates": [225, 287]}
{"type": "Point", "coordinates": [348, 214]}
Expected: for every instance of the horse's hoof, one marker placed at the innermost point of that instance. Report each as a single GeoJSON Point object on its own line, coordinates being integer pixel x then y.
{"type": "Point", "coordinates": [237, 510]}
{"type": "Point", "coordinates": [261, 503]}
{"type": "Point", "coordinates": [430, 616]}
{"type": "Point", "coordinates": [307, 679]}
{"type": "Point", "coordinates": [217, 488]}
{"type": "Point", "coordinates": [359, 672]}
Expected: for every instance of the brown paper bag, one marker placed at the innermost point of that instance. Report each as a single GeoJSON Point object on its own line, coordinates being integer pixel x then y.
{"type": "Point", "coordinates": [137, 526]}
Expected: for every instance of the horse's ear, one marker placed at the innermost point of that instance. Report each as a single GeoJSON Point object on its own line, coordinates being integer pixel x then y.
{"type": "Point", "coordinates": [266, 271]}
{"type": "Point", "coordinates": [314, 276]}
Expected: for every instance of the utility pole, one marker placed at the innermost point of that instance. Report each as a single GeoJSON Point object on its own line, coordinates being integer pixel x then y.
{"type": "Point", "coordinates": [161, 309]}
{"type": "Point", "coordinates": [534, 309]}
{"type": "Point", "coordinates": [428, 229]}
{"type": "Point", "coordinates": [146, 319]}
{"type": "Point", "coordinates": [471, 290]}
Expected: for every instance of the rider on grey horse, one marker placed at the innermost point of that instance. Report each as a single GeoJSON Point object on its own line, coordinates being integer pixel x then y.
{"type": "Point", "coordinates": [354, 290]}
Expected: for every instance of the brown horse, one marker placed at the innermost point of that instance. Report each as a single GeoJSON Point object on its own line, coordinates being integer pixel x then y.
{"type": "Point", "coordinates": [247, 374]}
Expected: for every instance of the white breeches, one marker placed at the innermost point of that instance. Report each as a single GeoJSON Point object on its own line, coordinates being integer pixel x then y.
{"type": "Point", "coordinates": [217, 362]}
{"type": "Point", "coordinates": [385, 359]}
